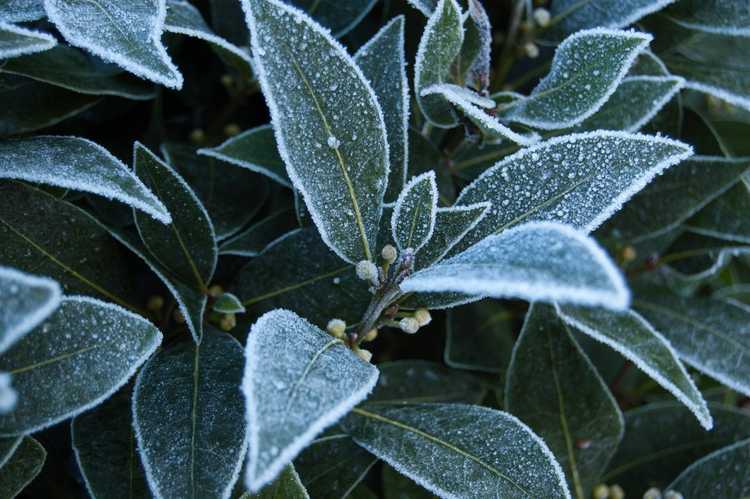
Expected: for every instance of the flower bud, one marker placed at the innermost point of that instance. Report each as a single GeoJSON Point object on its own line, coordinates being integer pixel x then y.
{"type": "Point", "coordinates": [629, 254]}
{"type": "Point", "coordinates": [542, 17]}
{"type": "Point", "coordinates": [673, 494]}
{"type": "Point", "coordinates": [601, 491]}
{"type": "Point", "coordinates": [227, 80]}
{"type": "Point", "coordinates": [228, 322]}
{"type": "Point", "coordinates": [616, 492]}
{"type": "Point", "coordinates": [336, 328]}
{"type": "Point", "coordinates": [232, 129]}
{"type": "Point", "coordinates": [423, 317]}
{"type": "Point", "coordinates": [652, 493]}
{"type": "Point", "coordinates": [389, 253]}
{"type": "Point", "coordinates": [409, 325]}
{"type": "Point", "coordinates": [198, 136]}
{"type": "Point", "coordinates": [367, 271]}
{"type": "Point", "coordinates": [531, 50]}
{"type": "Point", "coordinates": [215, 291]}
{"type": "Point", "coordinates": [363, 354]}
{"type": "Point", "coordinates": [155, 303]}
{"type": "Point", "coordinates": [371, 335]}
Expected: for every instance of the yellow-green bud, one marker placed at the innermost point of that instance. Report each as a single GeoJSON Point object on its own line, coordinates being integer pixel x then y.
{"type": "Point", "coordinates": [601, 491]}
{"type": "Point", "coordinates": [673, 494]}
{"type": "Point", "coordinates": [198, 136]}
{"type": "Point", "coordinates": [652, 493]}
{"type": "Point", "coordinates": [542, 17]}
{"type": "Point", "coordinates": [228, 322]}
{"type": "Point", "coordinates": [227, 80]}
{"type": "Point", "coordinates": [232, 129]}
{"type": "Point", "coordinates": [371, 335]}
{"type": "Point", "coordinates": [629, 254]}
{"type": "Point", "coordinates": [215, 291]}
{"type": "Point", "coordinates": [336, 328]}
{"type": "Point", "coordinates": [531, 50]}
{"type": "Point", "coordinates": [155, 303]}
{"type": "Point", "coordinates": [389, 253]}
{"type": "Point", "coordinates": [367, 271]}
{"type": "Point", "coordinates": [409, 325]}
{"type": "Point", "coordinates": [423, 317]}
{"type": "Point", "coordinates": [363, 354]}
{"type": "Point", "coordinates": [616, 492]}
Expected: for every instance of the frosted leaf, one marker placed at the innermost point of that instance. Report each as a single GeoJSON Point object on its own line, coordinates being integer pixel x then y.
{"type": "Point", "coordinates": [73, 69]}
{"type": "Point", "coordinates": [471, 105]}
{"type": "Point", "coordinates": [188, 417]}
{"type": "Point", "coordinates": [654, 449]}
{"type": "Point", "coordinates": [79, 255]}
{"type": "Point", "coordinates": [724, 217]}
{"type": "Point", "coordinates": [184, 19]}
{"type": "Point", "coordinates": [413, 219]}
{"type": "Point", "coordinates": [339, 17]}
{"type": "Point", "coordinates": [663, 206]}
{"type": "Point", "coordinates": [300, 273]}
{"type": "Point", "coordinates": [635, 102]}
{"type": "Point", "coordinates": [580, 180]}
{"type": "Point", "coordinates": [577, 15]}
{"type": "Point", "coordinates": [461, 450]}
{"type": "Point", "coordinates": [103, 441]}
{"type": "Point", "coordinates": [254, 240]}
{"type": "Point", "coordinates": [710, 335]}
{"type": "Point", "coordinates": [190, 302]}
{"type": "Point", "coordinates": [639, 342]}
{"type": "Point", "coordinates": [22, 467]}
{"type": "Point", "coordinates": [186, 247]}
{"type": "Point", "coordinates": [480, 336]}
{"type": "Point", "coordinates": [227, 303]}
{"type": "Point", "coordinates": [254, 149]}
{"type": "Point", "coordinates": [586, 70]}
{"type": "Point", "coordinates": [298, 63]}
{"type": "Point", "coordinates": [18, 11]}
{"type": "Point", "coordinates": [7, 447]}
{"type": "Point", "coordinates": [426, 7]}
{"type": "Point", "coordinates": [479, 33]}
{"type": "Point", "coordinates": [74, 361]}
{"type": "Point", "coordinates": [725, 17]}
{"type": "Point", "coordinates": [722, 473]}
{"type": "Point", "coordinates": [451, 225]}
{"type": "Point", "coordinates": [16, 41]}
{"type": "Point", "coordinates": [288, 485]}
{"type": "Point", "coordinates": [440, 44]}
{"type": "Point", "coordinates": [383, 62]}
{"type": "Point", "coordinates": [298, 381]}
{"type": "Point", "coordinates": [78, 164]}
{"type": "Point", "coordinates": [27, 300]}
{"type": "Point", "coordinates": [540, 261]}
{"type": "Point", "coordinates": [125, 32]}
{"type": "Point", "coordinates": [553, 387]}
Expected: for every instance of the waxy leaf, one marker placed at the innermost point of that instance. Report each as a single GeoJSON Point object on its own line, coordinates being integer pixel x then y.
{"type": "Point", "coordinates": [7, 447]}
{"type": "Point", "coordinates": [298, 381]}
{"type": "Point", "coordinates": [79, 258]}
{"type": "Point", "coordinates": [440, 44]}
{"type": "Point", "coordinates": [339, 17]}
{"type": "Point", "coordinates": [227, 303]}
{"type": "Point", "coordinates": [288, 485]}
{"type": "Point", "coordinates": [580, 180]}
{"type": "Point", "coordinates": [635, 102]}
{"type": "Point", "coordinates": [451, 225]}
{"type": "Point", "coordinates": [255, 150]}
{"type": "Point", "coordinates": [720, 474]}
{"type": "Point", "coordinates": [383, 63]}
{"type": "Point", "coordinates": [187, 246]}
{"type": "Point", "coordinates": [183, 18]}
{"type": "Point", "coordinates": [189, 420]}
{"type": "Point", "coordinates": [27, 300]}
{"type": "Point", "coordinates": [256, 238]}
{"type": "Point", "coordinates": [104, 445]}
{"type": "Point", "coordinates": [22, 467]}
{"type": "Point", "coordinates": [329, 126]}
{"type": "Point", "coordinates": [300, 273]}
{"type": "Point", "coordinates": [586, 70]}
{"type": "Point", "coordinates": [554, 388]}
{"type": "Point", "coordinates": [17, 41]}
{"type": "Point", "coordinates": [475, 107]}
{"type": "Point", "coordinates": [724, 217]}
{"type": "Point", "coordinates": [662, 439]}
{"type": "Point", "coordinates": [398, 486]}
{"type": "Point", "coordinates": [712, 16]}
{"type": "Point", "coordinates": [127, 33]}
{"type": "Point", "coordinates": [711, 335]}
{"type": "Point", "coordinates": [453, 450]}
{"type": "Point", "coordinates": [413, 219]}
{"type": "Point", "coordinates": [575, 15]}
{"type": "Point", "coordinates": [477, 49]}
{"type": "Point", "coordinates": [73, 69]}
{"type": "Point", "coordinates": [75, 360]}
{"type": "Point", "coordinates": [630, 334]}
{"type": "Point", "coordinates": [536, 262]}
{"type": "Point", "coordinates": [78, 164]}
{"type": "Point", "coordinates": [17, 11]}
{"type": "Point", "coordinates": [426, 7]}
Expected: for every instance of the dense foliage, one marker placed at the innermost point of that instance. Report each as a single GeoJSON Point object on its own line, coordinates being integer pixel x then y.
{"type": "Point", "coordinates": [396, 249]}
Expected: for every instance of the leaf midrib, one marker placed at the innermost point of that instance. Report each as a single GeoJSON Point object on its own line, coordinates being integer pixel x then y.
{"type": "Point", "coordinates": [292, 287]}
{"type": "Point", "coordinates": [308, 368]}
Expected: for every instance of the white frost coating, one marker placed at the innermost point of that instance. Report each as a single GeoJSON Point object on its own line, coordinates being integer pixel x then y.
{"type": "Point", "coordinates": [194, 25]}
{"type": "Point", "coordinates": [90, 30]}
{"type": "Point", "coordinates": [678, 83]}
{"type": "Point", "coordinates": [538, 261]}
{"type": "Point", "coordinates": [720, 17]}
{"type": "Point", "coordinates": [20, 11]}
{"type": "Point", "coordinates": [136, 363]}
{"type": "Point", "coordinates": [78, 164]}
{"type": "Point", "coordinates": [651, 366]}
{"type": "Point", "coordinates": [288, 347]}
{"type": "Point", "coordinates": [608, 13]}
{"type": "Point", "coordinates": [435, 250]}
{"type": "Point", "coordinates": [426, 7]}
{"type": "Point", "coordinates": [409, 218]}
{"type": "Point", "coordinates": [22, 41]}
{"type": "Point", "coordinates": [26, 301]}
{"type": "Point", "coordinates": [324, 222]}
{"type": "Point", "coordinates": [732, 98]}
{"type": "Point", "coordinates": [463, 410]}
{"type": "Point", "coordinates": [470, 104]}
{"type": "Point", "coordinates": [565, 87]}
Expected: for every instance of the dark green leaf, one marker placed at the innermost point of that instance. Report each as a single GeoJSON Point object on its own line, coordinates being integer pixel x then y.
{"type": "Point", "coordinates": [724, 217]}
{"type": "Point", "coordinates": [22, 467]}
{"type": "Point", "coordinates": [254, 240]}
{"type": "Point", "coordinates": [720, 474]}
{"type": "Point", "coordinates": [451, 225]}
{"type": "Point", "coordinates": [227, 303]}
{"type": "Point", "coordinates": [413, 219]}
{"type": "Point", "coordinates": [17, 41]}
{"type": "Point", "coordinates": [287, 486]}
{"type": "Point", "coordinates": [339, 17]}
